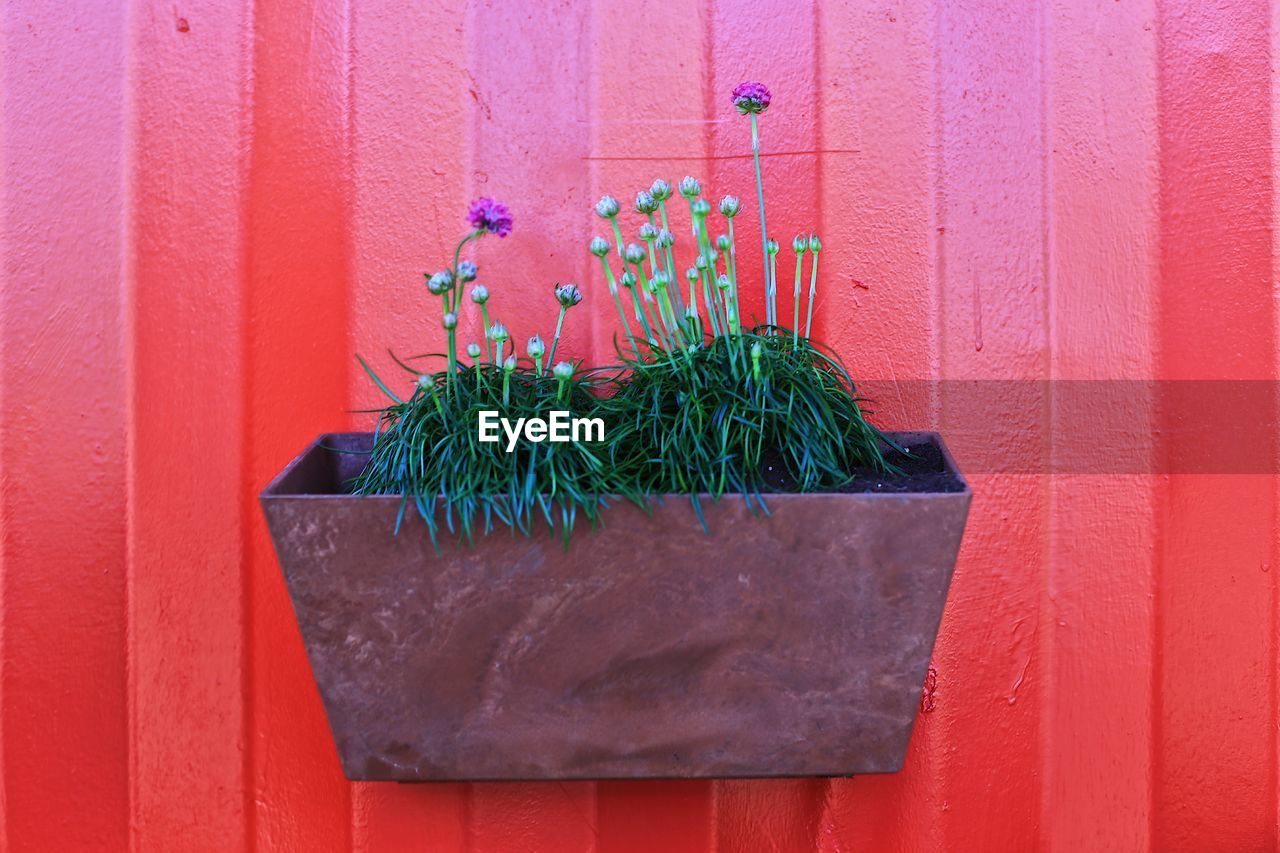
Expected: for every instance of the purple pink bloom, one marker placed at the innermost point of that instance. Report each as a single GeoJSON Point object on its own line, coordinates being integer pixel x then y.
{"type": "Point", "coordinates": [751, 97]}
{"type": "Point", "coordinates": [489, 215]}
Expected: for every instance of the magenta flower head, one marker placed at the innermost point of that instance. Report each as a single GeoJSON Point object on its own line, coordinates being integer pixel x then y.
{"type": "Point", "coordinates": [491, 216]}
{"type": "Point", "coordinates": [751, 97]}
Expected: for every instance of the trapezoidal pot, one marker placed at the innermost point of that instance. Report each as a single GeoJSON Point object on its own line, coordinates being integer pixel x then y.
{"type": "Point", "coordinates": [789, 645]}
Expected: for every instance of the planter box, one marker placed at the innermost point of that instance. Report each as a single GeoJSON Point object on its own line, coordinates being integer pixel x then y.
{"type": "Point", "coordinates": [792, 645]}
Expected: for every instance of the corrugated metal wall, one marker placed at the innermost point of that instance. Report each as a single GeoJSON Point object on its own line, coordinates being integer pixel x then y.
{"type": "Point", "coordinates": [209, 206]}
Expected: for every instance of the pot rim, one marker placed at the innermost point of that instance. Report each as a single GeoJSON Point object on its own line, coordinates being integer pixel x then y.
{"type": "Point", "coordinates": [273, 491]}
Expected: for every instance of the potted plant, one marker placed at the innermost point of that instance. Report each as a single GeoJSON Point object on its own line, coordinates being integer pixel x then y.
{"type": "Point", "coordinates": [762, 583]}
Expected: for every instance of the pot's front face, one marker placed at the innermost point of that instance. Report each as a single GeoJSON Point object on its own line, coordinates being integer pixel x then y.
{"type": "Point", "coordinates": [789, 645]}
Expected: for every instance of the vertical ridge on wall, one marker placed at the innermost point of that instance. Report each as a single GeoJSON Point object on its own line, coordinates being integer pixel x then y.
{"type": "Point", "coordinates": [528, 142]}
{"type": "Point", "coordinates": [187, 507]}
{"type": "Point", "coordinates": [881, 314]}
{"type": "Point", "coordinates": [650, 104]}
{"type": "Point", "coordinates": [775, 44]}
{"type": "Point", "coordinates": [991, 261]}
{"type": "Point", "coordinates": [1103, 268]}
{"type": "Point", "coordinates": [63, 535]}
{"type": "Point", "coordinates": [296, 340]}
{"type": "Point", "coordinates": [1215, 740]}
{"type": "Point", "coordinates": [411, 100]}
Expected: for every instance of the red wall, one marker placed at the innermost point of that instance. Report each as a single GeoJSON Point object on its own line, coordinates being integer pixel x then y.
{"type": "Point", "coordinates": [209, 206]}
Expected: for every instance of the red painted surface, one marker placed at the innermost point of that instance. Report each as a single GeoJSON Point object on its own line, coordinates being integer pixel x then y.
{"type": "Point", "coordinates": [208, 207]}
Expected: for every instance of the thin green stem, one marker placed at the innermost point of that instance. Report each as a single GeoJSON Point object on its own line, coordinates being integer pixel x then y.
{"type": "Point", "coordinates": [764, 232]}
{"type": "Point", "coordinates": [613, 291]}
{"type": "Point", "coordinates": [617, 239]}
{"type": "Point", "coordinates": [551, 358]}
{"type": "Point", "coordinates": [640, 315]}
{"type": "Point", "coordinates": [484, 318]}
{"type": "Point", "coordinates": [732, 267]}
{"type": "Point", "coordinates": [457, 253]}
{"type": "Point", "coordinates": [671, 259]}
{"type": "Point", "coordinates": [795, 321]}
{"type": "Point", "coordinates": [772, 274]}
{"type": "Point", "coordinates": [813, 289]}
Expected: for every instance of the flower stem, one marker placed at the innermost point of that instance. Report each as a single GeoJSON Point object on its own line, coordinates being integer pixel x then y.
{"type": "Point", "coordinates": [457, 285]}
{"type": "Point", "coordinates": [813, 289]}
{"type": "Point", "coordinates": [488, 344]}
{"type": "Point", "coordinates": [795, 317]}
{"type": "Point", "coordinates": [613, 291]}
{"type": "Point", "coordinates": [764, 232]}
{"type": "Point", "coordinates": [453, 346]}
{"type": "Point", "coordinates": [772, 274]}
{"type": "Point", "coordinates": [671, 259]}
{"type": "Point", "coordinates": [640, 315]}
{"type": "Point", "coordinates": [551, 358]}
{"type": "Point", "coordinates": [617, 241]}
{"type": "Point", "coordinates": [731, 267]}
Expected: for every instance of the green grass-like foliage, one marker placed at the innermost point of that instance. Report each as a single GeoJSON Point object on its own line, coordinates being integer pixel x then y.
{"type": "Point", "coordinates": [426, 451]}
{"type": "Point", "coordinates": [750, 414]}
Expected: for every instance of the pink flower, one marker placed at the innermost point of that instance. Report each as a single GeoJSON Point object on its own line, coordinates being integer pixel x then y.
{"type": "Point", "coordinates": [489, 215]}
{"type": "Point", "coordinates": [751, 97]}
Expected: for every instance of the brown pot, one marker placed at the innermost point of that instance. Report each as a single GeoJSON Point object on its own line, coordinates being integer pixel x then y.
{"type": "Point", "coordinates": [789, 645]}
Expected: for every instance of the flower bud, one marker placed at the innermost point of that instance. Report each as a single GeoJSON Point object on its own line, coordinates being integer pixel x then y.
{"type": "Point", "coordinates": [535, 347]}
{"type": "Point", "coordinates": [661, 279]}
{"type": "Point", "coordinates": [449, 321]}
{"type": "Point", "coordinates": [473, 349]}
{"type": "Point", "coordinates": [607, 207]}
{"type": "Point", "coordinates": [729, 206]}
{"type": "Point", "coordinates": [701, 262]}
{"type": "Point", "coordinates": [599, 247]}
{"type": "Point", "coordinates": [652, 286]}
{"type": "Point", "coordinates": [701, 207]}
{"type": "Point", "coordinates": [772, 246]}
{"type": "Point", "coordinates": [645, 202]}
{"type": "Point", "coordinates": [509, 364]}
{"type": "Point", "coordinates": [712, 255]}
{"type": "Point", "coordinates": [568, 295]}
{"type": "Point", "coordinates": [562, 370]}
{"type": "Point", "coordinates": [723, 282]}
{"type": "Point", "coordinates": [814, 243]}
{"type": "Point", "coordinates": [691, 273]}
{"type": "Point", "coordinates": [648, 232]}
{"type": "Point", "coordinates": [466, 271]}
{"type": "Point", "coordinates": [479, 294]}
{"type": "Point", "coordinates": [756, 350]}
{"type": "Point", "coordinates": [666, 239]}
{"type": "Point", "coordinates": [689, 187]}
{"type": "Point", "coordinates": [628, 280]}
{"type": "Point", "coordinates": [633, 254]}
{"type": "Point", "coordinates": [800, 244]}
{"type": "Point", "coordinates": [426, 382]}
{"type": "Point", "coordinates": [440, 282]}
{"type": "Point", "coordinates": [498, 333]}
{"type": "Point", "coordinates": [722, 242]}
{"type": "Point", "coordinates": [661, 190]}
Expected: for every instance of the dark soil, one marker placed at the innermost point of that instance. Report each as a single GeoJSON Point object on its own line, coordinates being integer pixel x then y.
{"type": "Point", "coordinates": [921, 469]}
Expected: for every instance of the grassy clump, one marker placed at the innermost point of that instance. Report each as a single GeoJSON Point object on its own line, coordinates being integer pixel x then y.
{"type": "Point", "coordinates": [716, 418]}
{"type": "Point", "coordinates": [426, 451]}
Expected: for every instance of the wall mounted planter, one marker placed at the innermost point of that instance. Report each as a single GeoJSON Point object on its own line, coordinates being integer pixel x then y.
{"type": "Point", "coordinates": [793, 645]}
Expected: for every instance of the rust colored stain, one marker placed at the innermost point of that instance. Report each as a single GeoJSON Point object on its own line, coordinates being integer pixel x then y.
{"type": "Point", "coordinates": [203, 222]}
